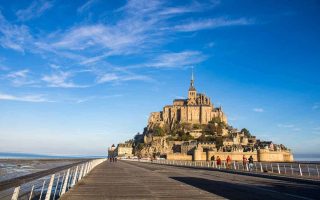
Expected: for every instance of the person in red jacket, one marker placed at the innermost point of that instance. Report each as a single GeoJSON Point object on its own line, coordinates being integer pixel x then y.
{"type": "Point", "coordinates": [228, 162]}
{"type": "Point", "coordinates": [218, 162]}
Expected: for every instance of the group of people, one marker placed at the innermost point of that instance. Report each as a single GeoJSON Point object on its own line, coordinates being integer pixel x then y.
{"type": "Point", "coordinates": [245, 161]}
{"type": "Point", "coordinates": [113, 159]}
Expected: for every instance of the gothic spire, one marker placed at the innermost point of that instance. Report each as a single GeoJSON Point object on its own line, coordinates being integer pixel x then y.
{"type": "Point", "coordinates": [192, 82]}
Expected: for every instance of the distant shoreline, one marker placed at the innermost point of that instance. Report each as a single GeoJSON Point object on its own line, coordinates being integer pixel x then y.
{"type": "Point", "coordinates": [5, 155]}
{"type": "Point", "coordinates": [26, 156]}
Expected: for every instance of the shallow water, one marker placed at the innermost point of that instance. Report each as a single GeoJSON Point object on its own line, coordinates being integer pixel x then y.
{"type": "Point", "coordinates": [12, 168]}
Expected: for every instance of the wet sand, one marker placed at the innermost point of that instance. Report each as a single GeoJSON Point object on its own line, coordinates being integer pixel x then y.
{"type": "Point", "coordinates": [14, 172]}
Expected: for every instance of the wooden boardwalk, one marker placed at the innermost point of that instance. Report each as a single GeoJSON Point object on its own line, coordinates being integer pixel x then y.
{"type": "Point", "coordinates": [135, 180]}
{"type": "Point", "coordinates": [123, 180]}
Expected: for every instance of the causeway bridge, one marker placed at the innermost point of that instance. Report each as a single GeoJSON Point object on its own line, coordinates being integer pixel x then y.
{"type": "Point", "coordinates": [162, 179]}
{"type": "Point", "coordinates": [139, 180]}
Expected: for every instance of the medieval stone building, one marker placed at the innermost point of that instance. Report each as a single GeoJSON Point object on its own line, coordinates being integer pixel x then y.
{"type": "Point", "coordinates": [196, 109]}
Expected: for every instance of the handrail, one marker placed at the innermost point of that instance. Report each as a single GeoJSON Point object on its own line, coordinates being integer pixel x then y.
{"type": "Point", "coordinates": [54, 185]}
{"type": "Point", "coordinates": [294, 169]}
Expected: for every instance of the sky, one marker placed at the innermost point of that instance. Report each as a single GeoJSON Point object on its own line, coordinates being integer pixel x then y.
{"type": "Point", "coordinates": [78, 76]}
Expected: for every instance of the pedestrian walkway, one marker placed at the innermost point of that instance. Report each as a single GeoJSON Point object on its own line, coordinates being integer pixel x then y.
{"type": "Point", "coordinates": [123, 180]}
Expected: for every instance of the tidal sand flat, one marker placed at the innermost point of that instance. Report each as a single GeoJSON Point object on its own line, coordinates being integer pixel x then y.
{"type": "Point", "coordinates": [13, 168]}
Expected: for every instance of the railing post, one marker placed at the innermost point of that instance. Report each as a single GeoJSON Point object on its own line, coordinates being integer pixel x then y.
{"type": "Point", "coordinates": [85, 170]}
{"type": "Point", "coordinates": [278, 168]}
{"type": "Point", "coordinates": [31, 192]}
{"type": "Point", "coordinates": [234, 165]}
{"type": "Point", "coordinates": [42, 189]}
{"type": "Point", "coordinates": [60, 190]}
{"type": "Point", "coordinates": [65, 183]}
{"type": "Point", "coordinates": [55, 190]}
{"type": "Point", "coordinates": [247, 167]}
{"type": "Point", "coordinates": [271, 168]}
{"type": "Point", "coordinates": [75, 177]}
{"type": "Point", "coordinates": [266, 167]}
{"type": "Point", "coordinates": [291, 170]}
{"type": "Point", "coordinates": [285, 169]}
{"type": "Point", "coordinates": [308, 170]}
{"type": "Point", "coordinates": [81, 172]}
{"type": "Point", "coordinates": [15, 194]}
{"type": "Point", "coordinates": [300, 170]}
{"type": "Point", "coordinates": [49, 188]}
{"type": "Point", "coordinates": [261, 167]}
{"type": "Point", "coordinates": [317, 170]}
{"type": "Point", "coordinates": [70, 178]}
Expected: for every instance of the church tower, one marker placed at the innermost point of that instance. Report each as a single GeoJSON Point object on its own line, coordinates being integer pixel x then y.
{"type": "Point", "coordinates": [192, 93]}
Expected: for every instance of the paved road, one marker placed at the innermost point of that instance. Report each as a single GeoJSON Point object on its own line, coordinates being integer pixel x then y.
{"type": "Point", "coordinates": [133, 180]}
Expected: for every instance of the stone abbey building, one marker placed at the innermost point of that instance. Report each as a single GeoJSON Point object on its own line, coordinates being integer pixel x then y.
{"type": "Point", "coordinates": [196, 109]}
{"type": "Point", "coordinates": [194, 129]}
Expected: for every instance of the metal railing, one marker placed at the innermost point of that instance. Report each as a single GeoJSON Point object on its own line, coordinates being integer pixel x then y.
{"type": "Point", "coordinates": [53, 186]}
{"type": "Point", "coordinates": [294, 169]}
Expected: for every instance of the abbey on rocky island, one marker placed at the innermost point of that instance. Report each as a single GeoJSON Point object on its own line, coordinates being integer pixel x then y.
{"type": "Point", "coordinates": [194, 129]}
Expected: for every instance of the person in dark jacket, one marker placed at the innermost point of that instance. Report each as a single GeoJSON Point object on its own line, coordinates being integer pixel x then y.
{"type": "Point", "coordinates": [250, 163]}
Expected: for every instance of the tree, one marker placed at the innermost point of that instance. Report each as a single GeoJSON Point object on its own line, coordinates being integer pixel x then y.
{"type": "Point", "coordinates": [246, 132]}
{"type": "Point", "coordinates": [196, 126]}
{"type": "Point", "coordinates": [182, 136]}
{"type": "Point", "coordinates": [158, 131]}
{"type": "Point", "coordinates": [219, 142]}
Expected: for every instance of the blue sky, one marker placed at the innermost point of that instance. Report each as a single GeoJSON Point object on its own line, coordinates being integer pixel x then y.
{"type": "Point", "coordinates": [77, 76]}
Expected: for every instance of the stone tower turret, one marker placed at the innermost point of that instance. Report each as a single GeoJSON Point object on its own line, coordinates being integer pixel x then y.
{"type": "Point", "coordinates": [192, 93]}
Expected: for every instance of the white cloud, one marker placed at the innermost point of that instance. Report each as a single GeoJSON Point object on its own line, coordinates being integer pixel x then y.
{"type": "Point", "coordinates": [20, 78]}
{"type": "Point", "coordinates": [285, 125]}
{"type": "Point", "coordinates": [211, 23]}
{"type": "Point", "coordinates": [86, 5]}
{"type": "Point", "coordinates": [54, 66]}
{"type": "Point", "coordinates": [61, 79]}
{"type": "Point", "coordinates": [13, 36]}
{"type": "Point", "coordinates": [112, 77]}
{"type": "Point", "coordinates": [36, 9]}
{"type": "Point", "coordinates": [25, 98]}
{"type": "Point", "coordinates": [140, 27]}
{"type": "Point", "coordinates": [177, 59]}
{"type": "Point", "coordinates": [258, 110]}
{"type": "Point", "coordinates": [107, 78]}
{"type": "Point", "coordinates": [316, 106]}
{"type": "Point", "coordinates": [18, 74]}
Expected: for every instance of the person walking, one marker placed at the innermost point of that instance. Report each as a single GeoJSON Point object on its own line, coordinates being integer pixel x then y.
{"type": "Point", "coordinates": [212, 160]}
{"type": "Point", "coordinates": [244, 162]}
{"type": "Point", "coordinates": [250, 163]}
{"type": "Point", "coordinates": [218, 162]}
{"type": "Point", "coordinates": [228, 162]}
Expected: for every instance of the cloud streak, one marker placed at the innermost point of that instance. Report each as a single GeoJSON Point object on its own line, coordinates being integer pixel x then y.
{"type": "Point", "coordinates": [25, 98]}
{"type": "Point", "coordinates": [13, 36]}
{"type": "Point", "coordinates": [177, 59]}
{"type": "Point", "coordinates": [36, 9]}
{"type": "Point", "coordinates": [286, 125]}
{"type": "Point", "coordinates": [112, 77]}
{"type": "Point", "coordinates": [258, 110]}
{"type": "Point", "coordinates": [87, 5]}
{"type": "Point", "coordinates": [61, 79]}
{"type": "Point", "coordinates": [211, 24]}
